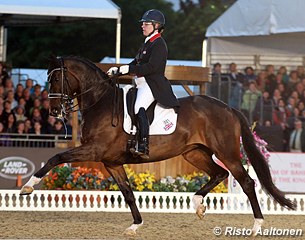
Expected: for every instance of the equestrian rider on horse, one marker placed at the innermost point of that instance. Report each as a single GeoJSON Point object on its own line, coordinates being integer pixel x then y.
{"type": "Point", "coordinates": [149, 67]}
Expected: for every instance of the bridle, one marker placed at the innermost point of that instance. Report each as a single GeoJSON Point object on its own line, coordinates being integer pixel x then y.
{"type": "Point", "coordinates": [65, 98]}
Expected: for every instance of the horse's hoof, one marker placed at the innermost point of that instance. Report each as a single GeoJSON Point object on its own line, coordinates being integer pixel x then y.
{"type": "Point", "coordinates": [258, 222]}
{"type": "Point", "coordinates": [26, 190]}
{"type": "Point", "coordinates": [201, 211]}
{"type": "Point", "coordinates": [131, 231]}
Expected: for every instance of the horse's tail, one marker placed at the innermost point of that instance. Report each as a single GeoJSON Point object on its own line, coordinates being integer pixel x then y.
{"type": "Point", "coordinates": [259, 163]}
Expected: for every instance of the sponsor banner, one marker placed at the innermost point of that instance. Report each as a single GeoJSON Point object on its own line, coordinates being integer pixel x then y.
{"type": "Point", "coordinates": [23, 162]}
{"type": "Point", "coordinates": [287, 171]}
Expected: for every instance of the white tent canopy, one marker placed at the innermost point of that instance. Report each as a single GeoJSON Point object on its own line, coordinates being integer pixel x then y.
{"type": "Point", "coordinates": [31, 12]}
{"type": "Point", "coordinates": [258, 27]}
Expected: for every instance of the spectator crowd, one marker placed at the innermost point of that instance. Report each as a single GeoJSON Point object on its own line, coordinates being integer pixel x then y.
{"type": "Point", "coordinates": [24, 108]}
{"type": "Point", "coordinates": [271, 97]}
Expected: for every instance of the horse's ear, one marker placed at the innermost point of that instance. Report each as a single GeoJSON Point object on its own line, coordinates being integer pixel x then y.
{"type": "Point", "coordinates": [53, 61]}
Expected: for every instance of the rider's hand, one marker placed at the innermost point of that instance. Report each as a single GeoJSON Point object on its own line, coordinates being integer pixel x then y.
{"type": "Point", "coordinates": [112, 71]}
{"type": "Point", "coordinates": [124, 69]}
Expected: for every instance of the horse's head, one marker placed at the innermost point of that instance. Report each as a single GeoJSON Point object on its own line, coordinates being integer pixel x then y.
{"type": "Point", "coordinates": [63, 86]}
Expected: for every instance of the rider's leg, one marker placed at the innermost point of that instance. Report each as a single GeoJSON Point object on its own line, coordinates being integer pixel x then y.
{"type": "Point", "coordinates": [143, 127]}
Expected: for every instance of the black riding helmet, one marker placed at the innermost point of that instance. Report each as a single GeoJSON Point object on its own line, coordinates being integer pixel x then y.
{"type": "Point", "coordinates": [154, 16]}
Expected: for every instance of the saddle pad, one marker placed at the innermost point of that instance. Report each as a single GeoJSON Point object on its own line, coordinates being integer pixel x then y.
{"type": "Point", "coordinates": [164, 122]}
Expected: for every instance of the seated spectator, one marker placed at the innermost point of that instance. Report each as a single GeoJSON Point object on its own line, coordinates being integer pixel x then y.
{"type": "Point", "coordinates": [58, 128]}
{"type": "Point", "coordinates": [20, 127]}
{"type": "Point", "coordinates": [301, 106]}
{"type": "Point", "coordinates": [36, 116]}
{"type": "Point", "coordinates": [37, 129]}
{"type": "Point", "coordinates": [44, 95]}
{"type": "Point", "coordinates": [44, 111]}
{"type": "Point", "coordinates": [299, 88]}
{"type": "Point", "coordinates": [297, 138]}
{"type": "Point", "coordinates": [19, 113]}
{"type": "Point", "coordinates": [28, 125]}
{"type": "Point", "coordinates": [36, 104]}
{"type": "Point", "coordinates": [249, 101]}
{"type": "Point", "coordinates": [283, 91]}
{"type": "Point", "coordinates": [10, 125]}
{"type": "Point", "coordinates": [7, 110]}
{"type": "Point", "coordinates": [291, 104]}
{"type": "Point", "coordinates": [293, 80]}
{"type": "Point", "coordinates": [50, 125]}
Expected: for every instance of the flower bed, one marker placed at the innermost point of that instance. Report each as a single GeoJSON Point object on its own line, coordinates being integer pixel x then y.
{"type": "Point", "coordinates": [80, 178]}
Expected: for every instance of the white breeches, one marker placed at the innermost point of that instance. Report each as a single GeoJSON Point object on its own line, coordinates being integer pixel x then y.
{"type": "Point", "coordinates": [144, 95]}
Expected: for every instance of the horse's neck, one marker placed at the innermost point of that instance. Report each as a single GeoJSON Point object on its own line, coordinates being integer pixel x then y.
{"type": "Point", "coordinates": [98, 93]}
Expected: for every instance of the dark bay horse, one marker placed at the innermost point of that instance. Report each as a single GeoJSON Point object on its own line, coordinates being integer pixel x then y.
{"type": "Point", "coordinates": [205, 126]}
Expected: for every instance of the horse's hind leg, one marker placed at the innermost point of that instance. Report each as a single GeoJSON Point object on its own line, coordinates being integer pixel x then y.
{"type": "Point", "coordinates": [119, 175]}
{"type": "Point", "coordinates": [247, 183]}
{"type": "Point", "coordinates": [78, 154]}
{"type": "Point", "coordinates": [202, 159]}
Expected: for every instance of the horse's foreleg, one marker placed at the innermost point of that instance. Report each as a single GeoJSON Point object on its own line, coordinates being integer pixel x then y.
{"type": "Point", "coordinates": [119, 175]}
{"type": "Point", "coordinates": [78, 154]}
{"type": "Point", "coordinates": [203, 161]}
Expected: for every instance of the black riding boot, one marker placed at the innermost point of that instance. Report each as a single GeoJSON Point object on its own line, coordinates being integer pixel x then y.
{"type": "Point", "coordinates": [143, 127]}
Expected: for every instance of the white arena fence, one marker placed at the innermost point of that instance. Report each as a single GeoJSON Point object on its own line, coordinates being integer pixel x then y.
{"type": "Point", "coordinates": [162, 202]}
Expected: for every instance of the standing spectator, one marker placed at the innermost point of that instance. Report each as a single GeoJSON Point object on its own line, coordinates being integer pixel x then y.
{"type": "Point", "coordinates": [249, 76]}
{"type": "Point", "coordinates": [10, 97]}
{"type": "Point", "coordinates": [301, 72]}
{"type": "Point", "coordinates": [237, 80]}
{"type": "Point", "coordinates": [271, 79]}
{"type": "Point", "coordinates": [276, 96]}
{"type": "Point", "coordinates": [4, 75]}
{"type": "Point", "coordinates": [9, 86]}
{"type": "Point", "coordinates": [28, 100]}
{"type": "Point", "coordinates": [250, 98]}
{"type": "Point", "coordinates": [29, 85]}
{"type": "Point", "coordinates": [280, 118]}
{"type": "Point", "coordinates": [285, 76]}
{"type": "Point", "coordinates": [18, 92]}
{"type": "Point", "coordinates": [297, 138]}
{"type": "Point", "coordinates": [261, 81]}
{"type": "Point", "coordinates": [37, 92]}
{"type": "Point", "coordinates": [263, 109]}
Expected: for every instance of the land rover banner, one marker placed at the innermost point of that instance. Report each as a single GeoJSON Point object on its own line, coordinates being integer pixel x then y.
{"type": "Point", "coordinates": [23, 162]}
